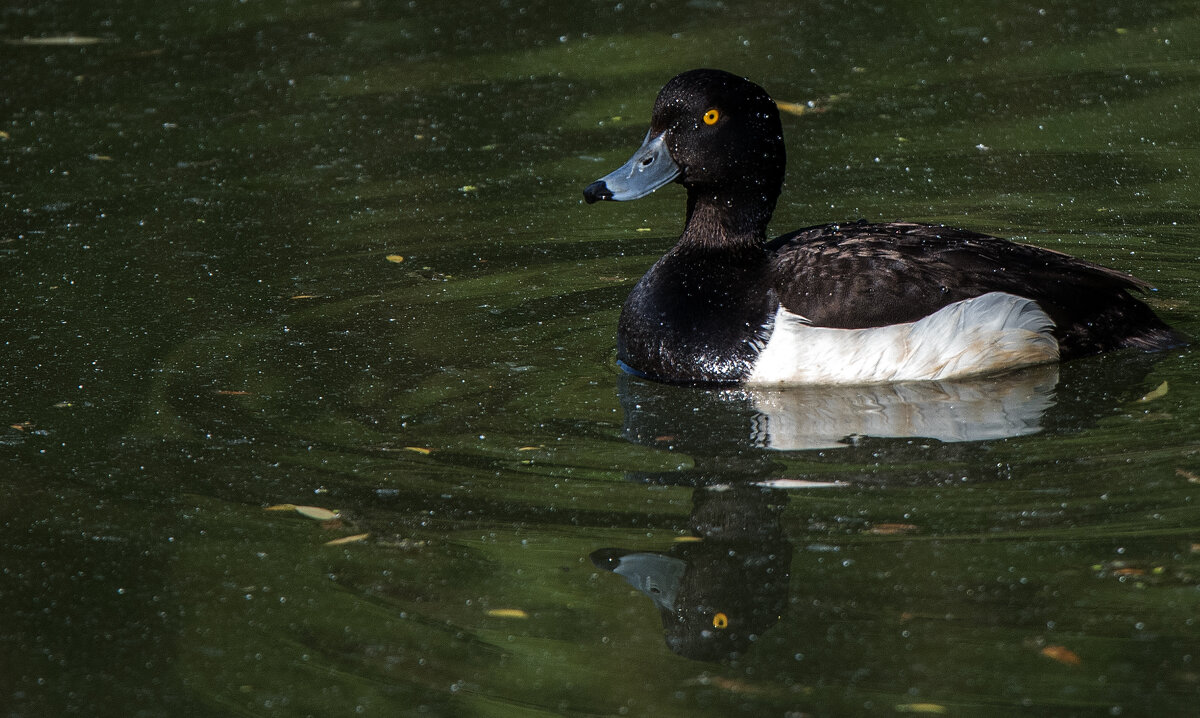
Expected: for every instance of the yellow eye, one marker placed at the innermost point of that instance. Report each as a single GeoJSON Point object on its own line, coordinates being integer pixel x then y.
{"type": "Point", "coordinates": [711, 117]}
{"type": "Point", "coordinates": [720, 620]}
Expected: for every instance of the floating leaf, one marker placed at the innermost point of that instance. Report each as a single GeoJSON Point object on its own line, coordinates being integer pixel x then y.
{"type": "Point", "coordinates": [282, 507]}
{"type": "Point", "coordinates": [347, 539]}
{"type": "Point", "coordinates": [530, 448]}
{"type": "Point", "coordinates": [644, 229]}
{"type": "Point", "coordinates": [304, 296]}
{"type": "Point", "coordinates": [799, 484]}
{"type": "Point", "coordinates": [1062, 654]}
{"type": "Point", "coordinates": [891, 529]}
{"type": "Point", "coordinates": [812, 106]}
{"type": "Point", "coordinates": [232, 392]}
{"type": "Point", "coordinates": [688, 539]}
{"type": "Point", "coordinates": [58, 40]}
{"type": "Point", "coordinates": [395, 258]}
{"type": "Point", "coordinates": [927, 708]}
{"type": "Point", "coordinates": [419, 449]}
{"type": "Point", "coordinates": [794, 108]}
{"type": "Point", "coordinates": [507, 613]}
{"type": "Point", "coordinates": [316, 513]}
{"type": "Point", "coordinates": [1159, 392]}
{"type": "Point", "coordinates": [1192, 478]}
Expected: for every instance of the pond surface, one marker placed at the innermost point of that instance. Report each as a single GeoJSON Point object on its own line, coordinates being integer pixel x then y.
{"type": "Point", "coordinates": [334, 254]}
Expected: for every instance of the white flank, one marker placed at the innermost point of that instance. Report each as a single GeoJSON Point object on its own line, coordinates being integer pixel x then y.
{"type": "Point", "coordinates": [985, 334]}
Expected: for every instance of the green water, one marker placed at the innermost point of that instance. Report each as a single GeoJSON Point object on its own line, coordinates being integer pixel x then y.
{"type": "Point", "coordinates": [204, 316]}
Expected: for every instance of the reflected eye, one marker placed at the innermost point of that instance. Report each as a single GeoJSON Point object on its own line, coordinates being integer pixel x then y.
{"type": "Point", "coordinates": [711, 117]}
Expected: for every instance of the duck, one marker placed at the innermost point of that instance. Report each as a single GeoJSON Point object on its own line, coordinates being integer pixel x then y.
{"type": "Point", "coordinates": [844, 303]}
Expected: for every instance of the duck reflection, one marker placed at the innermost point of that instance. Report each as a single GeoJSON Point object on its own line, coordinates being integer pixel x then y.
{"type": "Point", "coordinates": [822, 417]}
{"type": "Point", "coordinates": [718, 593]}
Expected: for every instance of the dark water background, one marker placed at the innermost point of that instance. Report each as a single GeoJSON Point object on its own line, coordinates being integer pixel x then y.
{"type": "Point", "coordinates": [205, 314]}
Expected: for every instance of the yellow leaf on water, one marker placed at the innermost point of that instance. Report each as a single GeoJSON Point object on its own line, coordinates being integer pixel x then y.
{"type": "Point", "coordinates": [687, 539]}
{"type": "Point", "coordinates": [347, 539]}
{"type": "Point", "coordinates": [419, 449]}
{"type": "Point", "coordinates": [821, 104]}
{"type": "Point", "coordinates": [1191, 477]}
{"type": "Point", "coordinates": [395, 258]}
{"type": "Point", "coordinates": [282, 507]}
{"type": "Point", "coordinates": [1160, 391]}
{"type": "Point", "coordinates": [1062, 654]}
{"type": "Point", "coordinates": [927, 708]}
{"type": "Point", "coordinates": [507, 613]}
{"type": "Point", "coordinates": [316, 512]}
{"type": "Point", "coordinates": [794, 108]}
{"type": "Point", "coordinates": [3, 135]}
{"type": "Point", "coordinates": [530, 448]}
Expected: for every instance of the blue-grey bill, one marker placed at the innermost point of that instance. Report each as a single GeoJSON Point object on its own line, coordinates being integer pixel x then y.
{"type": "Point", "coordinates": [650, 167]}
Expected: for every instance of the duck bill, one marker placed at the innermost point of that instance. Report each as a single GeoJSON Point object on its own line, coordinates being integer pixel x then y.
{"type": "Point", "coordinates": [650, 167]}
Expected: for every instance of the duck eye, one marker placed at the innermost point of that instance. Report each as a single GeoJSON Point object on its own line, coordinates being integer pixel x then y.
{"type": "Point", "coordinates": [711, 117]}
{"type": "Point", "coordinates": [720, 620]}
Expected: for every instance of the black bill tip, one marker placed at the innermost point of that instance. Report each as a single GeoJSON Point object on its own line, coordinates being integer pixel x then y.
{"type": "Point", "coordinates": [597, 191]}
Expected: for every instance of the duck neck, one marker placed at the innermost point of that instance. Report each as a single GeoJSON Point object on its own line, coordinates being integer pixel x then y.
{"type": "Point", "coordinates": [723, 220]}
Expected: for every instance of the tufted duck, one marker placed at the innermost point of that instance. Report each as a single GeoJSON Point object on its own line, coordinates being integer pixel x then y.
{"type": "Point", "coordinates": [836, 303]}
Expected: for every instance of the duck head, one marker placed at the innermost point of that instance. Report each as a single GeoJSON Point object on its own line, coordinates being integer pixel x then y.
{"type": "Point", "coordinates": [717, 134]}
